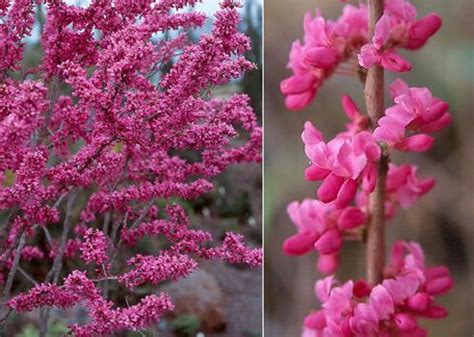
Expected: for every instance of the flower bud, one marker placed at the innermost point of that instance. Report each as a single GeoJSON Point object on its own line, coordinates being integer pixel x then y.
{"type": "Point", "coordinates": [330, 242]}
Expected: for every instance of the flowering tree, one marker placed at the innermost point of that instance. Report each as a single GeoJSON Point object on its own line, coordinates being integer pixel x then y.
{"type": "Point", "coordinates": [100, 142]}
{"type": "Point", "coordinates": [361, 189]}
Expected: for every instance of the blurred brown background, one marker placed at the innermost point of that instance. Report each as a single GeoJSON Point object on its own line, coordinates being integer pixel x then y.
{"type": "Point", "coordinates": [443, 221]}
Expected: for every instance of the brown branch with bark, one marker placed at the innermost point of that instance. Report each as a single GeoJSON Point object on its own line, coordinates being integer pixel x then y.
{"type": "Point", "coordinates": [374, 98]}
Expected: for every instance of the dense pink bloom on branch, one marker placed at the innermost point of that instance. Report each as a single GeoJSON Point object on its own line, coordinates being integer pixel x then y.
{"type": "Point", "coordinates": [94, 249]}
{"type": "Point", "coordinates": [415, 110]}
{"type": "Point", "coordinates": [105, 319]}
{"type": "Point", "coordinates": [117, 120]}
{"type": "Point", "coordinates": [156, 269]}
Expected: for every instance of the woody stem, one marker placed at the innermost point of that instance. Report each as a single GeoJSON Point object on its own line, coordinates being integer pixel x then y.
{"type": "Point", "coordinates": [374, 98]}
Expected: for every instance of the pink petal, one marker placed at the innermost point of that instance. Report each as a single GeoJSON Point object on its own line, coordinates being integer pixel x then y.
{"type": "Point", "coordinates": [365, 320]}
{"type": "Point", "coordinates": [351, 162]}
{"type": "Point", "coordinates": [321, 57]}
{"type": "Point", "coordinates": [394, 62]}
{"type": "Point", "coordinates": [311, 135]}
{"type": "Point", "coordinates": [299, 102]}
{"type": "Point", "coordinates": [329, 242]}
{"type": "Point", "coordinates": [419, 302]}
{"type": "Point", "coordinates": [382, 31]}
{"type": "Point", "coordinates": [315, 320]}
{"type": "Point", "coordinates": [294, 213]}
{"type": "Point", "coordinates": [416, 143]}
{"type": "Point", "coordinates": [436, 311]}
{"type": "Point", "coordinates": [314, 173]}
{"type": "Point", "coordinates": [368, 56]}
{"type": "Point", "coordinates": [329, 189]}
{"type": "Point", "coordinates": [382, 302]}
{"type": "Point", "coordinates": [437, 125]}
{"type": "Point", "coordinates": [297, 84]}
{"type": "Point", "coordinates": [422, 30]}
{"type": "Point", "coordinates": [351, 218]}
{"type": "Point", "coordinates": [397, 176]}
{"type": "Point", "coordinates": [300, 243]}
{"type": "Point", "coordinates": [435, 272]}
{"type": "Point", "coordinates": [398, 87]}
{"type": "Point", "coordinates": [322, 288]}
{"type": "Point", "coordinates": [327, 264]}
{"type": "Point", "coordinates": [350, 108]}
{"type": "Point", "coordinates": [405, 322]}
{"type": "Point", "coordinates": [439, 285]}
{"type": "Point", "coordinates": [346, 193]}
{"type": "Point", "coordinates": [435, 112]}
{"type": "Point", "coordinates": [369, 178]}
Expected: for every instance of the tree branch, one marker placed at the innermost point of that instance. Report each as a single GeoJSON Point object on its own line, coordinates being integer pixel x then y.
{"type": "Point", "coordinates": [374, 98]}
{"type": "Point", "coordinates": [55, 271]}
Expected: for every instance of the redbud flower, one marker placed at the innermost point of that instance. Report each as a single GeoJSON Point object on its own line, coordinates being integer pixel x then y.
{"type": "Point", "coordinates": [343, 163]}
{"type": "Point", "coordinates": [395, 305]}
{"type": "Point", "coordinates": [398, 27]}
{"type": "Point", "coordinates": [321, 227]}
{"type": "Point", "coordinates": [415, 110]}
{"type": "Point", "coordinates": [326, 45]}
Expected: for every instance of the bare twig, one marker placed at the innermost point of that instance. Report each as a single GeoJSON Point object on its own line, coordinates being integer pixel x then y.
{"type": "Point", "coordinates": [27, 276]}
{"type": "Point", "coordinates": [55, 271]}
{"type": "Point", "coordinates": [13, 269]}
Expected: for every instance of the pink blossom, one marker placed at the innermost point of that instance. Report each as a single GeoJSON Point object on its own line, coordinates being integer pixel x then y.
{"type": "Point", "coordinates": [403, 188]}
{"type": "Point", "coordinates": [398, 27]}
{"type": "Point", "coordinates": [30, 253]}
{"type": "Point", "coordinates": [343, 163]}
{"type": "Point", "coordinates": [415, 110]}
{"type": "Point", "coordinates": [94, 249]}
{"type": "Point", "coordinates": [395, 305]}
{"type": "Point", "coordinates": [326, 45]}
{"type": "Point", "coordinates": [321, 227]}
{"type": "Point", "coordinates": [156, 269]}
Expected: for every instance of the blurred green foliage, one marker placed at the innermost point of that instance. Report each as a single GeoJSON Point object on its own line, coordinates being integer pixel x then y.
{"type": "Point", "coordinates": [56, 329]}
{"type": "Point", "coordinates": [186, 325]}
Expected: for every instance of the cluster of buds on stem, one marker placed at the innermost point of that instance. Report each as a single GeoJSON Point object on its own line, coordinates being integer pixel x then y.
{"type": "Point", "coordinates": [349, 167]}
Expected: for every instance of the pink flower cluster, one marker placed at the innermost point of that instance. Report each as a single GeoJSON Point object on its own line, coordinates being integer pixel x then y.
{"type": "Point", "coordinates": [415, 110]}
{"type": "Point", "coordinates": [344, 163]}
{"type": "Point", "coordinates": [321, 227]}
{"type": "Point", "coordinates": [329, 44]}
{"type": "Point", "coordinates": [102, 140]}
{"type": "Point", "coordinates": [392, 308]}
{"type": "Point", "coordinates": [94, 249]}
{"type": "Point", "coordinates": [105, 320]}
{"type": "Point", "coordinates": [398, 27]}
